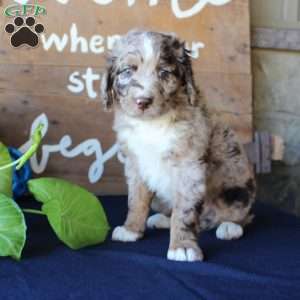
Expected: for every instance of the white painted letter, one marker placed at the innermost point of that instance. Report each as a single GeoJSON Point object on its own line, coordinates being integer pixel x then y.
{"type": "Point", "coordinates": [60, 43]}
{"type": "Point", "coordinates": [76, 86]}
{"type": "Point", "coordinates": [196, 46]}
{"type": "Point", "coordinates": [131, 3]}
{"type": "Point", "coordinates": [76, 40]}
{"type": "Point", "coordinates": [111, 41]}
{"type": "Point", "coordinates": [198, 7]}
{"type": "Point", "coordinates": [95, 44]}
{"type": "Point", "coordinates": [103, 2]}
{"type": "Point", "coordinates": [153, 2]}
{"type": "Point", "coordinates": [89, 78]}
{"type": "Point", "coordinates": [63, 1]}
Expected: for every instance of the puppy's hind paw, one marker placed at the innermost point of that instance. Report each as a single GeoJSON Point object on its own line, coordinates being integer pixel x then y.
{"type": "Point", "coordinates": [158, 221]}
{"type": "Point", "coordinates": [229, 231]}
{"type": "Point", "coordinates": [185, 254]}
{"type": "Point", "coordinates": [122, 234]}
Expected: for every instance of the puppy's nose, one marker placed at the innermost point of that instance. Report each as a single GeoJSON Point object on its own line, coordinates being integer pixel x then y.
{"type": "Point", "coordinates": [143, 102]}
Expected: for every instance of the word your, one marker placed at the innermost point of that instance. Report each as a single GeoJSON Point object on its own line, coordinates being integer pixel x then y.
{"type": "Point", "coordinates": [24, 10]}
{"type": "Point", "coordinates": [176, 8]}
{"type": "Point", "coordinates": [90, 147]}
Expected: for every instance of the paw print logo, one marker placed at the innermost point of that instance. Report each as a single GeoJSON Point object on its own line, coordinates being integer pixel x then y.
{"type": "Point", "coordinates": [24, 32]}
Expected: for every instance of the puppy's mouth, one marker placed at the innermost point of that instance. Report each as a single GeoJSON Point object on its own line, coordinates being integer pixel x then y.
{"type": "Point", "coordinates": [145, 107]}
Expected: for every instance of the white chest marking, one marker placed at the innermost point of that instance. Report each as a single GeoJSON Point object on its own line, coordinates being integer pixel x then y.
{"type": "Point", "coordinates": [151, 142]}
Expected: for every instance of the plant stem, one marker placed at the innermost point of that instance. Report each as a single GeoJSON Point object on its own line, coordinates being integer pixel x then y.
{"type": "Point", "coordinates": [34, 211]}
{"type": "Point", "coordinates": [10, 165]}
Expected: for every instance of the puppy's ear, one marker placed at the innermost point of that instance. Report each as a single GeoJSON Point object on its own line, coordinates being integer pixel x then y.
{"type": "Point", "coordinates": [184, 59]}
{"type": "Point", "coordinates": [107, 93]}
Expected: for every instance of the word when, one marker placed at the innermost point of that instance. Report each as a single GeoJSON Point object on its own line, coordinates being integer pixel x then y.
{"type": "Point", "coordinates": [90, 147]}
{"type": "Point", "coordinates": [96, 44]}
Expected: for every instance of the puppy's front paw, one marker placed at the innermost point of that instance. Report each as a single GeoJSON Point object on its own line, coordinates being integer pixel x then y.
{"type": "Point", "coordinates": [185, 254]}
{"type": "Point", "coordinates": [122, 234]}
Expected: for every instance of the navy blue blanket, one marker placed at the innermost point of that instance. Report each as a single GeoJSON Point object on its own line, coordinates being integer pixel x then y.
{"type": "Point", "coordinates": [264, 264]}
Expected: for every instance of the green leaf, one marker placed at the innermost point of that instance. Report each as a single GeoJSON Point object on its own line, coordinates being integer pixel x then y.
{"type": "Point", "coordinates": [12, 228]}
{"type": "Point", "coordinates": [5, 175]}
{"type": "Point", "coordinates": [76, 216]}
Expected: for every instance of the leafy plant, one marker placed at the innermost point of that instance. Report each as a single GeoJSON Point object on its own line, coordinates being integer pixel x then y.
{"type": "Point", "coordinates": [12, 228]}
{"type": "Point", "coordinates": [5, 174]}
{"type": "Point", "coordinates": [12, 223]}
{"type": "Point", "coordinates": [76, 216]}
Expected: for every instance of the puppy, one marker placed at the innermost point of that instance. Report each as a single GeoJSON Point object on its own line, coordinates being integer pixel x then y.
{"type": "Point", "coordinates": [189, 169]}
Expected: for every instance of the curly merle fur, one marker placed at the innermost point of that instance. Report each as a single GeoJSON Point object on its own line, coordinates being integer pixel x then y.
{"type": "Point", "coordinates": [191, 170]}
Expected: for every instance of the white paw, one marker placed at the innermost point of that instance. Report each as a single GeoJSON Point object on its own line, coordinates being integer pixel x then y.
{"type": "Point", "coordinates": [158, 221]}
{"type": "Point", "coordinates": [122, 234]}
{"type": "Point", "coordinates": [185, 254]}
{"type": "Point", "coordinates": [229, 231]}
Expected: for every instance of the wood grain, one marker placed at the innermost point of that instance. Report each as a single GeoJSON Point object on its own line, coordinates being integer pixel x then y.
{"type": "Point", "coordinates": [224, 30]}
{"type": "Point", "coordinates": [35, 81]}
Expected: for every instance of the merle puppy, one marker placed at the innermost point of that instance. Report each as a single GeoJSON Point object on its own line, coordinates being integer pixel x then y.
{"type": "Point", "coordinates": [191, 170]}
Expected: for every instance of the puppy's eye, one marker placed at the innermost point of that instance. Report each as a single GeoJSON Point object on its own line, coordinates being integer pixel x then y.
{"type": "Point", "coordinates": [127, 72]}
{"type": "Point", "coordinates": [164, 73]}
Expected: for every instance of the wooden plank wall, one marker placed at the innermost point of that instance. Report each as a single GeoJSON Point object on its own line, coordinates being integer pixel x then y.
{"type": "Point", "coordinates": [60, 85]}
